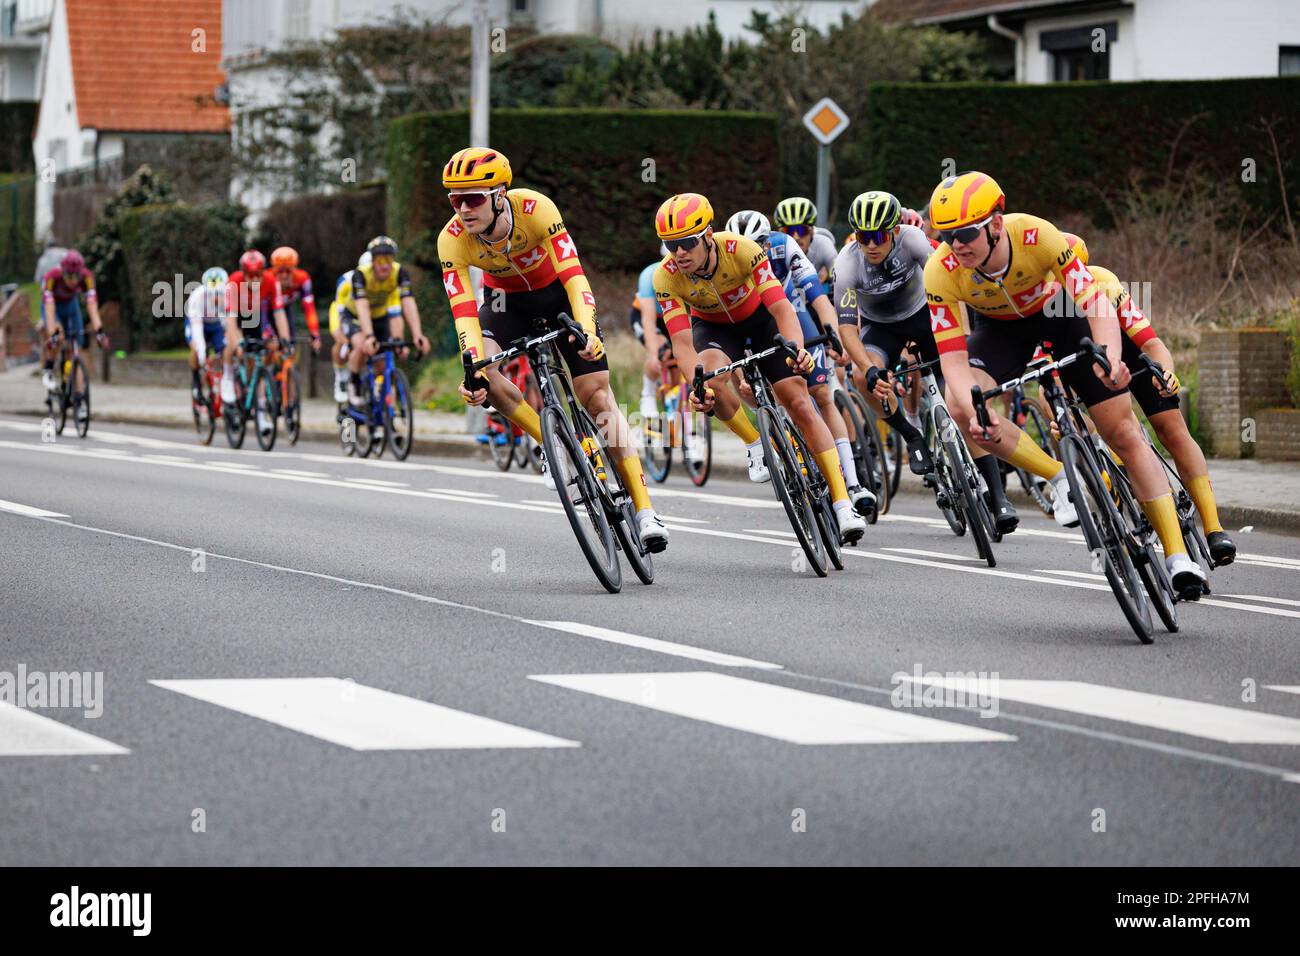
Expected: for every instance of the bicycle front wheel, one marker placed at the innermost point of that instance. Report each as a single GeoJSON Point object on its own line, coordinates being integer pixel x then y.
{"type": "Point", "coordinates": [205, 424]}
{"type": "Point", "coordinates": [233, 412]}
{"type": "Point", "coordinates": [264, 410]}
{"type": "Point", "coordinates": [576, 485]}
{"type": "Point", "coordinates": [656, 445]}
{"type": "Point", "coordinates": [80, 397]}
{"type": "Point", "coordinates": [792, 488]}
{"type": "Point", "coordinates": [1102, 533]}
{"type": "Point", "coordinates": [873, 455]}
{"type": "Point", "coordinates": [851, 412]}
{"type": "Point", "coordinates": [292, 407]}
{"type": "Point", "coordinates": [500, 440]}
{"type": "Point", "coordinates": [965, 484]}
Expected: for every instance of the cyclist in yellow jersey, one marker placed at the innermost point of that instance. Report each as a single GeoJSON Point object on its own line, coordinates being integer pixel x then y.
{"type": "Point", "coordinates": [720, 296]}
{"type": "Point", "coordinates": [372, 307]}
{"type": "Point", "coordinates": [1014, 281]}
{"type": "Point", "coordinates": [530, 272]}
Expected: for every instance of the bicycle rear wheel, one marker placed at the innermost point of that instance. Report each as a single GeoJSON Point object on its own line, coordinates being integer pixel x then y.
{"type": "Point", "coordinates": [965, 485]}
{"type": "Point", "coordinates": [656, 445]}
{"type": "Point", "coordinates": [500, 440]}
{"type": "Point", "coordinates": [292, 406]}
{"type": "Point", "coordinates": [205, 424]}
{"type": "Point", "coordinates": [1034, 486]}
{"type": "Point", "coordinates": [401, 417]}
{"type": "Point", "coordinates": [265, 409]}
{"type": "Point", "coordinates": [1103, 534]}
{"type": "Point", "coordinates": [576, 485]}
{"type": "Point", "coordinates": [874, 455]}
{"type": "Point", "coordinates": [233, 413]}
{"type": "Point", "coordinates": [858, 443]}
{"type": "Point", "coordinates": [792, 488]}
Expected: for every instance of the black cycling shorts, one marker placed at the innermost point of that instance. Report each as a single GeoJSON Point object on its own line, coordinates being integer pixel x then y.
{"type": "Point", "coordinates": [1144, 386]}
{"type": "Point", "coordinates": [1003, 347]}
{"type": "Point", "coordinates": [518, 314]}
{"type": "Point", "coordinates": [888, 339]}
{"type": "Point", "coordinates": [756, 333]}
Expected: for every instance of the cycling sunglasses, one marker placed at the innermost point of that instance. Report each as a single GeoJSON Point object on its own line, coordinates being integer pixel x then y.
{"type": "Point", "coordinates": [877, 236]}
{"type": "Point", "coordinates": [689, 243]}
{"type": "Point", "coordinates": [799, 230]}
{"type": "Point", "coordinates": [964, 235]}
{"type": "Point", "coordinates": [472, 200]}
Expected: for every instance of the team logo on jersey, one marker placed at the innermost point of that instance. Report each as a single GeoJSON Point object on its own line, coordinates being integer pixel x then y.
{"type": "Point", "coordinates": [1029, 295]}
{"type": "Point", "coordinates": [530, 258]}
{"type": "Point", "coordinates": [1130, 314]}
{"type": "Point", "coordinates": [731, 245]}
{"type": "Point", "coordinates": [455, 228]}
{"type": "Point", "coordinates": [765, 273]}
{"type": "Point", "coordinates": [564, 247]}
{"type": "Point", "coordinates": [736, 296]}
{"type": "Point", "coordinates": [1079, 277]}
{"type": "Point", "coordinates": [950, 262]}
{"type": "Point", "coordinates": [529, 206]}
{"type": "Point", "coordinates": [1031, 237]}
{"type": "Point", "coordinates": [590, 299]}
{"type": "Point", "coordinates": [941, 319]}
{"type": "Point", "coordinates": [670, 265]}
{"type": "Point", "coordinates": [451, 282]}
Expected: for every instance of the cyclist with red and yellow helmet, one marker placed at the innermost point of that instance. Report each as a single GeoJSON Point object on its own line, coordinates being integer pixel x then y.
{"type": "Point", "coordinates": [1014, 280]}
{"type": "Point", "coordinates": [295, 288]}
{"type": "Point", "coordinates": [720, 296]}
{"type": "Point", "coordinates": [530, 270]}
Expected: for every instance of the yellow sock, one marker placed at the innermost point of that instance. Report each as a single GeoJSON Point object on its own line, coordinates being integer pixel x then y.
{"type": "Point", "coordinates": [1203, 496]}
{"type": "Point", "coordinates": [741, 425]}
{"type": "Point", "coordinates": [1033, 459]}
{"type": "Point", "coordinates": [525, 416]}
{"type": "Point", "coordinates": [629, 470]}
{"type": "Point", "coordinates": [1164, 518]}
{"type": "Point", "coordinates": [829, 462]}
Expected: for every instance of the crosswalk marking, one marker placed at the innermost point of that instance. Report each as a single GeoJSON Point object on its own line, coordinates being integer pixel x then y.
{"type": "Point", "coordinates": [24, 733]}
{"type": "Point", "coordinates": [359, 717]}
{"type": "Point", "coordinates": [654, 644]}
{"type": "Point", "coordinates": [770, 710]}
{"type": "Point", "coordinates": [1233, 725]}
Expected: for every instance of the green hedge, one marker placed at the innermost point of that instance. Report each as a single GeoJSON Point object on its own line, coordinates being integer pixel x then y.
{"type": "Point", "coordinates": [591, 163]}
{"type": "Point", "coordinates": [17, 121]}
{"type": "Point", "coordinates": [160, 242]}
{"type": "Point", "coordinates": [1052, 146]}
{"type": "Point", "coordinates": [18, 252]}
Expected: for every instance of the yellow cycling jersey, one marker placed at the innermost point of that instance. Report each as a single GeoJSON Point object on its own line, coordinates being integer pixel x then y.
{"type": "Point", "coordinates": [538, 252]}
{"type": "Point", "coordinates": [1041, 264]}
{"type": "Point", "coordinates": [385, 297]}
{"type": "Point", "coordinates": [742, 281]}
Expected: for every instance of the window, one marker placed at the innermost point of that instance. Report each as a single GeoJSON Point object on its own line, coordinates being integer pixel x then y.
{"type": "Point", "coordinates": [297, 19]}
{"type": "Point", "coordinates": [1080, 53]}
{"type": "Point", "coordinates": [1288, 61]}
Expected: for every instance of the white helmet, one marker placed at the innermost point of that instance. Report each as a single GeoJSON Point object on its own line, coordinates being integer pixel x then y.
{"type": "Point", "coordinates": [364, 260]}
{"type": "Point", "coordinates": [749, 223]}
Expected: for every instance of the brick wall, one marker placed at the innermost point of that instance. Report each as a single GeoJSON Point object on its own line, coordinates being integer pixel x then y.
{"type": "Point", "coordinates": [17, 336]}
{"type": "Point", "coordinates": [1278, 431]}
{"type": "Point", "coordinates": [1241, 371]}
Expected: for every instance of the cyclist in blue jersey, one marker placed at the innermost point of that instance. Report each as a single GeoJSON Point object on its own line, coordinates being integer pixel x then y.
{"type": "Point", "coordinates": [804, 289]}
{"type": "Point", "coordinates": [647, 321]}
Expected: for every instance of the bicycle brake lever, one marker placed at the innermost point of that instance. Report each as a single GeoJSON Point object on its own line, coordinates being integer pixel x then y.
{"type": "Point", "coordinates": [697, 386]}
{"type": "Point", "coordinates": [981, 409]}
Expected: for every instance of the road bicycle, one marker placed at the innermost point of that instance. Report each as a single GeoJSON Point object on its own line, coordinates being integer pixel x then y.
{"type": "Point", "coordinates": [958, 486]}
{"type": "Point", "coordinates": [386, 420]}
{"type": "Point", "coordinates": [72, 385]}
{"type": "Point", "coordinates": [1024, 412]}
{"type": "Point", "coordinates": [595, 501]}
{"type": "Point", "coordinates": [206, 405]}
{"type": "Point", "coordinates": [255, 398]}
{"type": "Point", "coordinates": [677, 425]}
{"type": "Point", "coordinates": [288, 392]}
{"type": "Point", "coordinates": [1115, 530]}
{"type": "Point", "coordinates": [796, 479]}
{"type": "Point", "coordinates": [508, 443]}
{"type": "Point", "coordinates": [869, 455]}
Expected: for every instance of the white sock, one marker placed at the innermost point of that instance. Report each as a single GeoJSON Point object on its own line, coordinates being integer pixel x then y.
{"type": "Point", "coordinates": [649, 387]}
{"type": "Point", "coordinates": [756, 443]}
{"type": "Point", "coordinates": [226, 369]}
{"type": "Point", "coordinates": [913, 419]}
{"type": "Point", "coordinates": [841, 505]}
{"type": "Point", "coordinates": [846, 460]}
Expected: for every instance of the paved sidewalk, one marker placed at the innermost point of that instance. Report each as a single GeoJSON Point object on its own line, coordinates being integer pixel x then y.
{"type": "Point", "coordinates": [1262, 493]}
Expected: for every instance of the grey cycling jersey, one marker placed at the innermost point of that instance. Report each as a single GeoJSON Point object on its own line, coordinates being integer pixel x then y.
{"type": "Point", "coordinates": [889, 292]}
{"type": "Point", "coordinates": [821, 252]}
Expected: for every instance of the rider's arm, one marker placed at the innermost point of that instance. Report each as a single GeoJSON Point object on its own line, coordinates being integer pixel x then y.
{"type": "Point", "coordinates": [563, 253]}
{"type": "Point", "coordinates": [362, 304]}
{"type": "Point", "coordinates": [650, 328]}
{"type": "Point", "coordinates": [1079, 283]}
{"type": "Point", "coordinates": [309, 308]}
{"type": "Point", "coordinates": [48, 312]}
{"type": "Point", "coordinates": [460, 294]}
{"type": "Point", "coordinates": [845, 293]}
{"type": "Point", "coordinates": [947, 325]}
{"type": "Point", "coordinates": [92, 304]}
{"type": "Point", "coordinates": [194, 317]}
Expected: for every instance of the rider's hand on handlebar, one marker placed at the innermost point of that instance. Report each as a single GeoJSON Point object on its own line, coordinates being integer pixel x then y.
{"type": "Point", "coordinates": [473, 398]}
{"type": "Point", "coordinates": [985, 433]}
{"type": "Point", "coordinates": [702, 406]}
{"type": "Point", "coordinates": [1119, 376]}
{"type": "Point", "coordinates": [1169, 385]}
{"type": "Point", "coordinates": [315, 343]}
{"type": "Point", "coordinates": [423, 344]}
{"type": "Point", "coordinates": [912, 218]}
{"type": "Point", "coordinates": [370, 345]}
{"type": "Point", "coordinates": [594, 349]}
{"type": "Point", "coordinates": [884, 390]}
{"type": "Point", "coordinates": [801, 363]}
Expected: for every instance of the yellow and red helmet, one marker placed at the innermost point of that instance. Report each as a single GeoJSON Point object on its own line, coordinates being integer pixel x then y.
{"type": "Point", "coordinates": [477, 167]}
{"type": "Point", "coordinates": [286, 257]}
{"type": "Point", "coordinates": [1078, 245]}
{"type": "Point", "coordinates": [965, 200]}
{"type": "Point", "coordinates": [683, 215]}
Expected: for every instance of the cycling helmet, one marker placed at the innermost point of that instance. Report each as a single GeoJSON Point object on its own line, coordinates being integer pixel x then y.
{"type": "Point", "coordinates": [285, 257]}
{"type": "Point", "coordinates": [252, 262]}
{"type": "Point", "coordinates": [873, 211]}
{"type": "Point", "coordinates": [965, 200]}
{"type": "Point", "coordinates": [72, 261]}
{"type": "Point", "coordinates": [382, 246]}
{"type": "Point", "coordinates": [795, 211]}
{"type": "Point", "coordinates": [476, 167]}
{"type": "Point", "coordinates": [750, 224]}
{"type": "Point", "coordinates": [685, 214]}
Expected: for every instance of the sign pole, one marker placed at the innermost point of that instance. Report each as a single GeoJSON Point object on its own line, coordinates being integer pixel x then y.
{"type": "Point", "coordinates": [823, 180]}
{"type": "Point", "coordinates": [826, 121]}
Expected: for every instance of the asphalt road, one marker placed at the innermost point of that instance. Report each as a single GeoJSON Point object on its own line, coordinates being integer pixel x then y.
{"type": "Point", "coordinates": [307, 659]}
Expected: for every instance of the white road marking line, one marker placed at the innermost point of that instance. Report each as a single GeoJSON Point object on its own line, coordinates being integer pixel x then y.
{"type": "Point", "coordinates": [653, 644]}
{"type": "Point", "coordinates": [382, 484]}
{"type": "Point", "coordinates": [771, 531]}
{"type": "Point", "coordinates": [237, 465]}
{"type": "Point", "coordinates": [934, 554]}
{"type": "Point", "coordinates": [1260, 597]}
{"type": "Point", "coordinates": [24, 733]}
{"type": "Point", "coordinates": [1033, 532]}
{"type": "Point", "coordinates": [1233, 725]}
{"type": "Point", "coordinates": [1293, 562]}
{"type": "Point", "coordinates": [1285, 688]}
{"type": "Point", "coordinates": [1073, 574]}
{"type": "Point", "coordinates": [299, 474]}
{"type": "Point", "coordinates": [359, 717]}
{"type": "Point", "coordinates": [28, 510]}
{"type": "Point", "coordinates": [771, 710]}
{"type": "Point", "coordinates": [461, 491]}
{"type": "Point", "coordinates": [1275, 611]}
{"type": "Point", "coordinates": [1268, 564]}
{"type": "Point", "coordinates": [165, 458]}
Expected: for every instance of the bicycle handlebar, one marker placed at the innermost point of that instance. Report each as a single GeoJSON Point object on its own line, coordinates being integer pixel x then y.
{"type": "Point", "coordinates": [475, 382]}
{"type": "Point", "coordinates": [979, 397]}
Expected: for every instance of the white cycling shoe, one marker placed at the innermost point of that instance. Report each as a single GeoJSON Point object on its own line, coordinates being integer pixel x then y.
{"type": "Point", "coordinates": [852, 525]}
{"type": "Point", "coordinates": [654, 534]}
{"type": "Point", "coordinates": [47, 380]}
{"type": "Point", "coordinates": [341, 388]}
{"type": "Point", "coordinates": [758, 472]}
{"type": "Point", "coordinates": [649, 408]}
{"type": "Point", "coordinates": [1063, 509]}
{"type": "Point", "coordinates": [1187, 576]}
{"type": "Point", "coordinates": [547, 478]}
{"type": "Point", "coordinates": [864, 501]}
{"type": "Point", "coordinates": [228, 389]}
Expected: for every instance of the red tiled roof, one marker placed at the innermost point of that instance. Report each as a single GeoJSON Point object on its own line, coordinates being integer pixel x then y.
{"type": "Point", "coordinates": [134, 67]}
{"type": "Point", "coordinates": [928, 11]}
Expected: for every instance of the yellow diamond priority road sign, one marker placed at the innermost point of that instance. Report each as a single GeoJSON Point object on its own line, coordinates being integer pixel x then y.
{"type": "Point", "coordinates": [826, 120]}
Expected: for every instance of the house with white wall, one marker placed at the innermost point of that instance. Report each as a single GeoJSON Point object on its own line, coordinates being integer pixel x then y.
{"type": "Point", "coordinates": [1045, 41]}
{"type": "Point", "coordinates": [120, 83]}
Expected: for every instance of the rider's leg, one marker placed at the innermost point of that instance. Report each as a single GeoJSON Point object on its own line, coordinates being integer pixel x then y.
{"type": "Point", "coordinates": [507, 399]}
{"type": "Point", "coordinates": [986, 452]}
{"type": "Point", "coordinates": [1120, 430]}
{"type": "Point", "coordinates": [1192, 469]}
{"type": "Point", "coordinates": [593, 391]}
{"type": "Point", "coordinates": [821, 394]}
